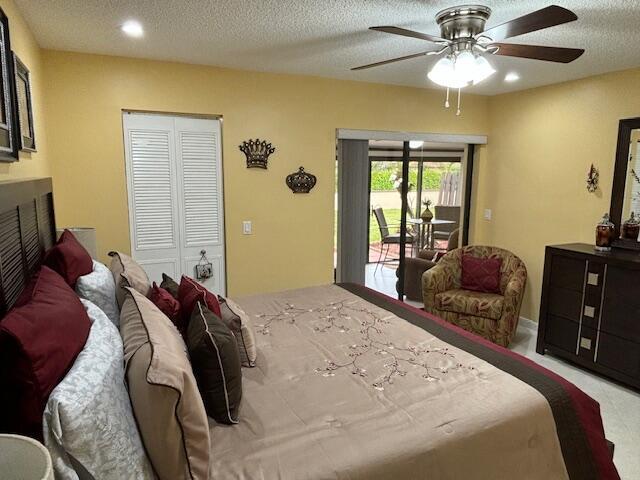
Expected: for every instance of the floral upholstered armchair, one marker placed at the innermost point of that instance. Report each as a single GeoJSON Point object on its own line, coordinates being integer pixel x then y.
{"type": "Point", "coordinates": [491, 315]}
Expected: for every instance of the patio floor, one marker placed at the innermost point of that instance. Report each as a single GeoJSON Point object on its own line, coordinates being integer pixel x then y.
{"type": "Point", "coordinates": [394, 251]}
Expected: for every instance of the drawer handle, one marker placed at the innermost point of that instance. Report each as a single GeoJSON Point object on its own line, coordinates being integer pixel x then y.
{"type": "Point", "coordinates": [592, 279]}
{"type": "Point", "coordinates": [589, 311]}
{"type": "Point", "coordinates": [585, 343]}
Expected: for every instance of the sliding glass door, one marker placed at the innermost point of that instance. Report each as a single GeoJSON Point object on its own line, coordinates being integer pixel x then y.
{"type": "Point", "coordinates": [411, 196]}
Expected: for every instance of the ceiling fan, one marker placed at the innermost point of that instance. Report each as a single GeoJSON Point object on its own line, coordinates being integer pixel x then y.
{"type": "Point", "coordinates": [464, 43]}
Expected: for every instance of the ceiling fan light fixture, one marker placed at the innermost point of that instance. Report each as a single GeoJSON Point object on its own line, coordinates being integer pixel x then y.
{"type": "Point", "coordinates": [468, 43]}
{"type": "Point", "coordinates": [465, 66]}
{"type": "Point", "coordinates": [444, 74]}
{"type": "Point", "coordinates": [483, 70]}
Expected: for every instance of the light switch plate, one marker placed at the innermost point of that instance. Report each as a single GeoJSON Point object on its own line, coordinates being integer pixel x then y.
{"type": "Point", "coordinates": [487, 214]}
{"type": "Point", "coordinates": [592, 279]}
{"type": "Point", "coordinates": [247, 228]}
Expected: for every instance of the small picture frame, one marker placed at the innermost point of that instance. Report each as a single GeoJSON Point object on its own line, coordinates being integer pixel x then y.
{"type": "Point", "coordinates": [27, 136]}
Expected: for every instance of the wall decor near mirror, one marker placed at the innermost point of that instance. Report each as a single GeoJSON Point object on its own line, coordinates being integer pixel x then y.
{"type": "Point", "coordinates": [8, 118]}
{"type": "Point", "coordinates": [593, 179]}
{"type": "Point", "coordinates": [625, 195]}
{"type": "Point", "coordinates": [26, 135]}
{"type": "Point", "coordinates": [257, 152]}
{"type": "Point", "coordinates": [301, 181]}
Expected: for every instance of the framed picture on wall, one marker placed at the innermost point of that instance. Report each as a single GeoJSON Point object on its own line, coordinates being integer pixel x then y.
{"type": "Point", "coordinates": [8, 119]}
{"type": "Point", "coordinates": [27, 135]}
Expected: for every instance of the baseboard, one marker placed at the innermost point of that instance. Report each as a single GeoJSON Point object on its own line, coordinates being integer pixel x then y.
{"type": "Point", "coordinates": [527, 323]}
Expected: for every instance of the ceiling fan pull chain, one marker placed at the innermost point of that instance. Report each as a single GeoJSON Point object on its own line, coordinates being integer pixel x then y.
{"type": "Point", "coordinates": [446, 102]}
{"type": "Point", "coordinates": [459, 95]}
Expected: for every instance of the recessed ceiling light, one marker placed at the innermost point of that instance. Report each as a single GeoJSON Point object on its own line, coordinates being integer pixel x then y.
{"type": "Point", "coordinates": [511, 77]}
{"type": "Point", "coordinates": [132, 29]}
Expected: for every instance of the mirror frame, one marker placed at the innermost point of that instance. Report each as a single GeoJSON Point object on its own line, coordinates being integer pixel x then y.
{"type": "Point", "coordinates": [619, 180]}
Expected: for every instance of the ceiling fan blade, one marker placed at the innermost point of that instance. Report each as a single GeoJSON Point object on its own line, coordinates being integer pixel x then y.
{"type": "Point", "coordinates": [538, 52]}
{"type": "Point", "coordinates": [384, 62]}
{"type": "Point", "coordinates": [544, 18]}
{"type": "Point", "coordinates": [409, 33]}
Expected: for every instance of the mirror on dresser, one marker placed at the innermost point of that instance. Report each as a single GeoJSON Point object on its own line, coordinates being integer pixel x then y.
{"type": "Point", "coordinates": [625, 195]}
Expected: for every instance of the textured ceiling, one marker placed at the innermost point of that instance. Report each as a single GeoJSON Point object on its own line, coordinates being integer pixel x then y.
{"type": "Point", "coordinates": [327, 37]}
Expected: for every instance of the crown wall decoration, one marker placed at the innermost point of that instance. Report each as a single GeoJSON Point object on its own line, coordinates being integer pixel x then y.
{"type": "Point", "coordinates": [257, 152]}
{"type": "Point", "coordinates": [301, 181]}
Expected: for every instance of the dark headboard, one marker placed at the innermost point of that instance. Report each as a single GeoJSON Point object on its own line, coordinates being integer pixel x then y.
{"type": "Point", "coordinates": [27, 229]}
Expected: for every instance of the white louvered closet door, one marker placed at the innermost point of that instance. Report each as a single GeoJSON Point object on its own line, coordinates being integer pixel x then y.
{"type": "Point", "coordinates": [199, 164]}
{"type": "Point", "coordinates": [174, 180]}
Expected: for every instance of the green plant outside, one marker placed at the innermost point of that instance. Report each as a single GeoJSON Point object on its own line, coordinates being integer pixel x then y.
{"type": "Point", "coordinates": [382, 172]}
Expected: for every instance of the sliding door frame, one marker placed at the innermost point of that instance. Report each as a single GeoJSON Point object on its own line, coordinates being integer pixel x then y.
{"type": "Point", "coordinates": [467, 161]}
{"type": "Point", "coordinates": [468, 189]}
{"type": "Point", "coordinates": [404, 192]}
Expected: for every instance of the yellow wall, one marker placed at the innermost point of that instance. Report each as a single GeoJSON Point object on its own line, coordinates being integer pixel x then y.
{"type": "Point", "coordinates": [532, 174]}
{"type": "Point", "coordinates": [25, 46]}
{"type": "Point", "coordinates": [541, 145]}
{"type": "Point", "coordinates": [292, 244]}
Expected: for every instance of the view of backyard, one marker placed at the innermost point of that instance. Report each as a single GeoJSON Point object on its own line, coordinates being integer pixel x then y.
{"type": "Point", "coordinates": [385, 184]}
{"type": "Point", "coordinates": [385, 193]}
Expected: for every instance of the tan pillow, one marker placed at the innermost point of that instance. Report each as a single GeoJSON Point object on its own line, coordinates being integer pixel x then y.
{"type": "Point", "coordinates": [164, 393]}
{"type": "Point", "coordinates": [239, 323]}
{"type": "Point", "coordinates": [128, 273]}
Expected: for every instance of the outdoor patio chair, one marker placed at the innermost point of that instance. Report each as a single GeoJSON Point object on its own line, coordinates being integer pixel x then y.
{"type": "Point", "coordinates": [387, 238]}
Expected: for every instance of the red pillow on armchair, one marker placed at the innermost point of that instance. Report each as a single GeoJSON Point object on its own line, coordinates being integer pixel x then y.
{"type": "Point", "coordinates": [40, 339]}
{"type": "Point", "coordinates": [481, 274]}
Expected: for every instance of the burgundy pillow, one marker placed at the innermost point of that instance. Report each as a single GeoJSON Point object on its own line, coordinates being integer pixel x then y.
{"type": "Point", "coordinates": [165, 302]}
{"type": "Point", "coordinates": [189, 293]}
{"type": "Point", "coordinates": [481, 274]}
{"type": "Point", "coordinates": [69, 258]}
{"type": "Point", "coordinates": [39, 341]}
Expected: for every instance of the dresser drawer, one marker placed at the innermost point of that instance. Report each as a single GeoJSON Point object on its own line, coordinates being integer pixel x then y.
{"type": "Point", "coordinates": [561, 333]}
{"type": "Point", "coordinates": [619, 354]}
{"type": "Point", "coordinates": [621, 303]}
{"type": "Point", "coordinates": [567, 273]}
{"type": "Point", "coordinates": [565, 303]}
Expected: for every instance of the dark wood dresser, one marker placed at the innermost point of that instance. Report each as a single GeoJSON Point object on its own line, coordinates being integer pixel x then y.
{"type": "Point", "coordinates": [590, 309]}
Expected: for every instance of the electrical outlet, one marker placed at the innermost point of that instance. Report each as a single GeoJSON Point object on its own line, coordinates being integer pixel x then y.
{"type": "Point", "coordinates": [247, 228]}
{"type": "Point", "coordinates": [487, 213]}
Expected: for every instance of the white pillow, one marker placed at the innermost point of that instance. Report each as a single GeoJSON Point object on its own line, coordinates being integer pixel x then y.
{"type": "Point", "coordinates": [99, 288]}
{"type": "Point", "coordinates": [89, 427]}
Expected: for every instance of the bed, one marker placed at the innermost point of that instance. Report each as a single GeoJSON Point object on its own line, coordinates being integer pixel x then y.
{"type": "Point", "coordinates": [353, 384]}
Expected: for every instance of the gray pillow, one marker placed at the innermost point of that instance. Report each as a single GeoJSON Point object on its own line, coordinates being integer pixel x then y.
{"type": "Point", "coordinates": [170, 285]}
{"type": "Point", "coordinates": [99, 288]}
{"type": "Point", "coordinates": [89, 427]}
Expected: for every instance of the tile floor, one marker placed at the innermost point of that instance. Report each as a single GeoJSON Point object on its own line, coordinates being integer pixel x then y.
{"type": "Point", "coordinates": [620, 406]}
